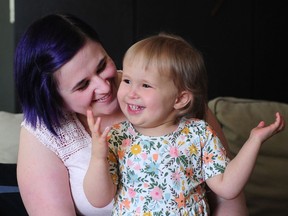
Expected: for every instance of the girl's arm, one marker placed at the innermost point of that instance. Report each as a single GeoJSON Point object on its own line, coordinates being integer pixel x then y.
{"type": "Point", "coordinates": [43, 179]}
{"type": "Point", "coordinates": [229, 184]}
{"type": "Point", "coordinates": [218, 205]}
{"type": "Point", "coordinates": [98, 185]}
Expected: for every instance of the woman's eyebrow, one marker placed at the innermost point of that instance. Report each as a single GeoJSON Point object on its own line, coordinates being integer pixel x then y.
{"type": "Point", "coordinates": [80, 83]}
{"type": "Point", "coordinates": [99, 66]}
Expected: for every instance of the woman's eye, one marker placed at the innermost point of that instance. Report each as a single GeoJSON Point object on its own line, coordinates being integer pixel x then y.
{"type": "Point", "coordinates": [83, 85]}
{"type": "Point", "coordinates": [101, 66]}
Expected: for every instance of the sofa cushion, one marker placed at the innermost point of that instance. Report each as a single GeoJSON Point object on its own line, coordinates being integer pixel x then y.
{"type": "Point", "coordinates": [10, 198]}
{"type": "Point", "coordinates": [267, 189]}
{"type": "Point", "coordinates": [9, 136]}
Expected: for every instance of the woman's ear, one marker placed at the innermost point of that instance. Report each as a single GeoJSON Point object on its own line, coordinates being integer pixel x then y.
{"type": "Point", "coordinates": [183, 99]}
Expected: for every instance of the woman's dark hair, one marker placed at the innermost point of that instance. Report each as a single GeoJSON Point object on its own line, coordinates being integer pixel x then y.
{"type": "Point", "coordinates": [46, 46]}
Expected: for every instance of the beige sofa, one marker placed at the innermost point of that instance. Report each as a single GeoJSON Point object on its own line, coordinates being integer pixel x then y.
{"type": "Point", "coordinates": [9, 136]}
{"type": "Point", "coordinates": [267, 190]}
{"type": "Point", "coordinates": [10, 199]}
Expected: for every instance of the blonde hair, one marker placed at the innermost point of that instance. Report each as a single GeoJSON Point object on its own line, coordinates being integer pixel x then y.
{"type": "Point", "coordinates": [173, 56]}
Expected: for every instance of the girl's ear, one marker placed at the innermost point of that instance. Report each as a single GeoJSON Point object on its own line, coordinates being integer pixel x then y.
{"type": "Point", "coordinates": [183, 99]}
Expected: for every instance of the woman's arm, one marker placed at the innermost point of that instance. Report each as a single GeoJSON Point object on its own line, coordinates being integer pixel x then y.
{"type": "Point", "coordinates": [219, 206]}
{"type": "Point", "coordinates": [43, 179]}
{"type": "Point", "coordinates": [223, 207]}
{"type": "Point", "coordinates": [213, 122]}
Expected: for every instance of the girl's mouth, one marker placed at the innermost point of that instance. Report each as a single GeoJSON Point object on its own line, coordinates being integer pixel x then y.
{"type": "Point", "coordinates": [133, 107]}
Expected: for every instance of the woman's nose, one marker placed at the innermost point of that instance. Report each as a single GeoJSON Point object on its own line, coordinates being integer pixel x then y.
{"type": "Point", "coordinates": [101, 85]}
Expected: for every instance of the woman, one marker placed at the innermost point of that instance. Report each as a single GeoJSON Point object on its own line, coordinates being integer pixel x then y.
{"type": "Point", "coordinates": [61, 70]}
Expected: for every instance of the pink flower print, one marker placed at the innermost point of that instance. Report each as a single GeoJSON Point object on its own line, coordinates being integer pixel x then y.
{"type": "Point", "coordinates": [131, 192]}
{"type": "Point", "coordinates": [156, 193]}
{"type": "Point", "coordinates": [176, 176]}
{"type": "Point", "coordinates": [137, 167]}
{"type": "Point", "coordinates": [174, 152]}
{"type": "Point", "coordinates": [130, 162]}
{"type": "Point", "coordinates": [126, 142]}
{"type": "Point", "coordinates": [182, 137]}
{"type": "Point", "coordinates": [144, 156]}
{"type": "Point", "coordinates": [145, 185]}
{"type": "Point", "coordinates": [131, 131]}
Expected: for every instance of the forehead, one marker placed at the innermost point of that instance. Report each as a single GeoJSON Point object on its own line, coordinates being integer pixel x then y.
{"type": "Point", "coordinates": [142, 73]}
{"type": "Point", "coordinates": [145, 63]}
{"type": "Point", "coordinates": [80, 66]}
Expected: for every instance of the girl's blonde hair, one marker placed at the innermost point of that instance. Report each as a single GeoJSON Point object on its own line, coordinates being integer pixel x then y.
{"type": "Point", "coordinates": [173, 56]}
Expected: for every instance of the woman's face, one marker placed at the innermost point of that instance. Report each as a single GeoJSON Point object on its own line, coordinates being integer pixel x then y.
{"type": "Point", "coordinates": [89, 79]}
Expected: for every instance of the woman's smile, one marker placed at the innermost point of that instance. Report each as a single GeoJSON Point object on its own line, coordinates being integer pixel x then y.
{"type": "Point", "coordinates": [106, 98]}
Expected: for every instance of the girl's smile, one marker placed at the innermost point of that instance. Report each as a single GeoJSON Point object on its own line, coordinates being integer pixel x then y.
{"type": "Point", "coordinates": [147, 99]}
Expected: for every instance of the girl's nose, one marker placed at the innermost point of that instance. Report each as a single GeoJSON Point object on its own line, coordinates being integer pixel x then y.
{"type": "Point", "coordinates": [133, 93]}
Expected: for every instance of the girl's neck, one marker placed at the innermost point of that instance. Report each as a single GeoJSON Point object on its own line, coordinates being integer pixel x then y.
{"type": "Point", "coordinates": [159, 130]}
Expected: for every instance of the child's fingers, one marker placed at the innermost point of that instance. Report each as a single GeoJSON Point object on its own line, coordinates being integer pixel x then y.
{"type": "Point", "coordinates": [93, 126]}
{"type": "Point", "coordinates": [261, 124]}
{"type": "Point", "coordinates": [90, 119]}
{"type": "Point", "coordinates": [278, 125]}
{"type": "Point", "coordinates": [105, 132]}
{"type": "Point", "coordinates": [280, 121]}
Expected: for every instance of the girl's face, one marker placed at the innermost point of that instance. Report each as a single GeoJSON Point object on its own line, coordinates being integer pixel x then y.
{"type": "Point", "coordinates": [89, 79]}
{"type": "Point", "coordinates": [147, 98]}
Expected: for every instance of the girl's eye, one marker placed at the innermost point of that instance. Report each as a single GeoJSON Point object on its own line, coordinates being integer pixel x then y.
{"type": "Point", "coordinates": [146, 86]}
{"type": "Point", "coordinates": [126, 81]}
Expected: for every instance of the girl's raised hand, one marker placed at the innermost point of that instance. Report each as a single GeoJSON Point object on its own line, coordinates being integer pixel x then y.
{"type": "Point", "coordinates": [99, 144]}
{"type": "Point", "coordinates": [263, 132]}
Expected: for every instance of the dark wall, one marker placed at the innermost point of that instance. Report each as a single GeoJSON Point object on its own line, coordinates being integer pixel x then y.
{"type": "Point", "coordinates": [244, 43]}
{"type": "Point", "coordinates": [7, 93]}
{"type": "Point", "coordinates": [112, 19]}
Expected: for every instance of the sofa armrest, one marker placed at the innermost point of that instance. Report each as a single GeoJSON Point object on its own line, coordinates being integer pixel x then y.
{"type": "Point", "coordinates": [9, 136]}
{"type": "Point", "coordinates": [267, 190]}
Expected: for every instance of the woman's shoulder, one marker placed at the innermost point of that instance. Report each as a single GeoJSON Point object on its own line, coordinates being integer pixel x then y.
{"type": "Point", "coordinates": [71, 135]}
{"type": "Point", "coordinates": [194, 122]}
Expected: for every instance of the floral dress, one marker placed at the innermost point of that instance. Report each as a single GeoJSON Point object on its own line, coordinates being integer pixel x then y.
{"type": "Point", "coordinates": [164, 175]}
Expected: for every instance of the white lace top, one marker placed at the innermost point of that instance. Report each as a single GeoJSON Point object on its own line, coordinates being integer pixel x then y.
{"type": "Point", "coordinates": [73, 147]}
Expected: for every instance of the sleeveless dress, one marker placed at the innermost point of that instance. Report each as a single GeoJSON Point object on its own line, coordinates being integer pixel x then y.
{"type": "Point", "coordinates": [73, 147]}
{"type": "Point", "coordinates": [165, 175]}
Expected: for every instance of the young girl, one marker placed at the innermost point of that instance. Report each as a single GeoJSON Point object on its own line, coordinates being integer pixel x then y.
{"type": "Point", "coordinates": [161, 158]}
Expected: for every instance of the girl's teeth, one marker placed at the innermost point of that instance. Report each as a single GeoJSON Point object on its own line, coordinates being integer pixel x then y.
{"type": "Point", "coordinates": [135, 107]}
